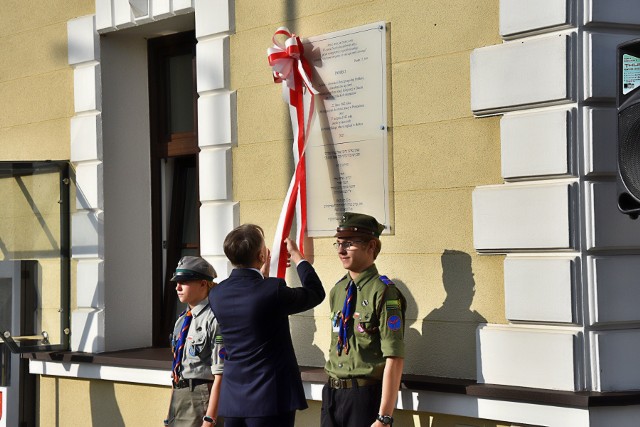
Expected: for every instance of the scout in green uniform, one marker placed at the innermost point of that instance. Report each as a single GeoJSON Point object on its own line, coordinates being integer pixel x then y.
{"type": "Point", "coordinates": [367, 341]}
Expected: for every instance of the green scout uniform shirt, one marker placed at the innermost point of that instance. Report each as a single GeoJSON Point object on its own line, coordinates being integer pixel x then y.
{"type": "Point", "coordinates": [202, 358]}
{"type": "Point", "coordinates": [371, 338]}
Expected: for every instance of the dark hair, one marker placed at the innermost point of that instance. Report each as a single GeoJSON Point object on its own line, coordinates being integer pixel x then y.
{"type": "Point", "coordinates": [242, 245]}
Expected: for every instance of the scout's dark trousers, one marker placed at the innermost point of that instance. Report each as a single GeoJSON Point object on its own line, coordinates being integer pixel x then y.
{"type": "Point", "coordinates": [350, 407]}
{"type": "Point", "coordinates": [282, 420]}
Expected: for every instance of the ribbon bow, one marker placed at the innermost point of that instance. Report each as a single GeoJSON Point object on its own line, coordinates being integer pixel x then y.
{"type": "Point", "coordinates": [291, 68]}
{"type": "Point", "coordinates": [284, 59]}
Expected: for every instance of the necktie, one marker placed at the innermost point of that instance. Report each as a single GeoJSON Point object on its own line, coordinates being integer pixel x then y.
{"type": "Point", "coordinates": [178, 349]}
{"type": "Point", "coordinates": [347, 314]}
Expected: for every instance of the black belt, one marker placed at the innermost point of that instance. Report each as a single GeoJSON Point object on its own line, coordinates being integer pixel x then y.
{"type": "Point", "coordinates": [191, 383]}
{"type": "Point", "coordinates": [338, 383]}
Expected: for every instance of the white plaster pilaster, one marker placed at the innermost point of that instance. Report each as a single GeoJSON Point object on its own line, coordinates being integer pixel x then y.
{"type": "Point", "coordinates": [216, 129]}
{"type": "Point", "coordinates": [87, 227]}
{"type": "Point", "coordinates": [214, 17]}
{"type": "Point", "coordinates": [113, 15]}
{"type": "Point", "coordinates": [216, 118]}
{"type": "Point", "coordinates": [518, 17]}
{"type": "Point", "coordinates": [576, 271]}
{"type": "Point", "coordinates": [530, 356]}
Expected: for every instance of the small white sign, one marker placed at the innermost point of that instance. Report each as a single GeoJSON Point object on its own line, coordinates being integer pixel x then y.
{"type": "Point", "coordinates": [347, 158]}
{"type": "Point", "coordinates": [630, 73]}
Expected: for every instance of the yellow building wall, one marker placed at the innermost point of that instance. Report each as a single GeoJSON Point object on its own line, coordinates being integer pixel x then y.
{"type": "Point", "coordinates": [69, 402]}
{"type": "Point", "coordinates": [36, 82]}
{"type": "Point", "coordinates": [439, 154]}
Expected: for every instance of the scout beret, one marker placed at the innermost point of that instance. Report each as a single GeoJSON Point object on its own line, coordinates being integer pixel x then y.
{"type": "Point", "coordinates": [352, 222]}
{"type": "Point", "coordinates": [193, 268]}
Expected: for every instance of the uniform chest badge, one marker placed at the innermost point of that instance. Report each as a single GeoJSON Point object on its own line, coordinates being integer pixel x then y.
{"type": "Point", "coordinates": [365, 303]}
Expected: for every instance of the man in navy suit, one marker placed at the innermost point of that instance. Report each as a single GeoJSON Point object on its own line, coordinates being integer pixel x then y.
{"type": "Point", "coordinates": [261, 385]}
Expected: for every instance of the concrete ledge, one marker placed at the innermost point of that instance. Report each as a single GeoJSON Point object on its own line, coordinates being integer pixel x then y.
{"type": "Point", "coordinates": [160, 359]}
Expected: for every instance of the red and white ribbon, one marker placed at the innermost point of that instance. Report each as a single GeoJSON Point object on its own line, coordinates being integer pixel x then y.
{"type": "Point", "coordinates": [291, 68]}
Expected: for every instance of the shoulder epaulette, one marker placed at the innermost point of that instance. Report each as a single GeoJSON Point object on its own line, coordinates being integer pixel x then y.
{"type": "Point", "coordinates": [386, 281]}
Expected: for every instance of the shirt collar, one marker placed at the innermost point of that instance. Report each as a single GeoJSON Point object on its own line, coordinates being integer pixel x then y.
{"type": "Point", "coordinates": [364, 277]}
{"type": "Point", "coordinates": [199, 308]}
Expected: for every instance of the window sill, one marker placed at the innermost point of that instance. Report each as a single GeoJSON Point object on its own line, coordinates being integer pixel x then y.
{"type": "Point", "coordinates": [152, 366]}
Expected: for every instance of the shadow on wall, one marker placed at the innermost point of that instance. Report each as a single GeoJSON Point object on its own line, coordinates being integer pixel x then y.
{"type": "Point", "coordinates": [104, 406]}
{"type": "Point", "coordinates": [303, 330]}
{"type": "Point", "coordinates": [448, 344]}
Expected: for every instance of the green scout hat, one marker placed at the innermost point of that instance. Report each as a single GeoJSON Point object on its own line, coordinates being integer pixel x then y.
{"type": "Point", "coordinates": [193, 268]}
{"type": "Point", "coordinates": [356, 223]}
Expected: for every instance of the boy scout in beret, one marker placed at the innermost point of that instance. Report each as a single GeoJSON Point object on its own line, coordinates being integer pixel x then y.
{"type": "Point", "coordinates": [197, 347]}
{"type": "Point", "coordinates": [366, 357]}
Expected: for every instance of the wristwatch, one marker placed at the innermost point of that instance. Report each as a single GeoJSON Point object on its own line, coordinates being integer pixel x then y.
{"type": "Point", "coordinates": [385, 419]}
{"type": "Point", "coordinates": [209, 419]}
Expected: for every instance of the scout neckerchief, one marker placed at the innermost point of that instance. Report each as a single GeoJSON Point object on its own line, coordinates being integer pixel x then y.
{"type": "Point", "coordinates": [347, 313]}
{"type": "Point", "coordinates": [178, 350]}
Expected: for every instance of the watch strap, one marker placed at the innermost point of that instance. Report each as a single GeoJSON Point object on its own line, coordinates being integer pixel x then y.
{"type": "Point", "coordinates": [385, 419]}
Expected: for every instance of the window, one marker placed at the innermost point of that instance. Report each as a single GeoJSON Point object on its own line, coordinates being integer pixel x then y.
{"type": "Point", "coordinates": [174, 168]}
{"type": "Point", "coordinates": [34, 256]}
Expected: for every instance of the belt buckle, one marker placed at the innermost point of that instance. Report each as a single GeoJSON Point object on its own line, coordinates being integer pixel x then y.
{"type": "Point", "coordinates": [336, 383]}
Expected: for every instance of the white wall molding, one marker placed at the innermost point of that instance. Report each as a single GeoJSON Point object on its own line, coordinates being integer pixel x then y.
{"type": "Point", "coordinates": [514, 217]}
{"type": "Point", "coordinates": [540, 289]}
{"type": "Point", "coordinates": [599, 123]}
{"type": "Point", "coordinates": [113, 15]}
{"type": "Point", "coordinates": [411, 400]}
{"type": "Point", "coordinates": [615, 360]}
{"type": "Point", "coordinates": [523, 74]}
{"type": "Point", "coordinates": [599, 65]}
{"type": "Point", "coordinates": [214, 22]}
{"type": "Point", "coordinates": [87, 226]}
{"type": "Point", "coordinates": [613, 289]}
{"type": "Point", "coordinates": [216, 118]}
{"type": "Point", "coordinates": [609, 229]}
{"type": "Point", "coordinates": [579, 270]}
{"type": "Point", "coordinates": [217, 129]}
{"type": "Point", "coordinates": [524, 17]}
{"type": "Point", "coordinates": [543, 357]}
{"type": "Point", "coordinates": [538, 143]}
{"type": "Point", "coordinates": [613, 13]}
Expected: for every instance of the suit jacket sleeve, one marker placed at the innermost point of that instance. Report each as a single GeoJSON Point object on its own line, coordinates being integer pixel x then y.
{"type": "Point", "coordinates": [310, 294]}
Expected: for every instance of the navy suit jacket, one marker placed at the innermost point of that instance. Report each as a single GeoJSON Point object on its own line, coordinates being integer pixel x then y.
{"type": "Point", "coordinates": [261, 375]}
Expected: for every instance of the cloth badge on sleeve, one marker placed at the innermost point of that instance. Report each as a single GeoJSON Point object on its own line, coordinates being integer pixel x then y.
{"type": "Point", "coordinates": [393, 304]}
{"type": "Point", "coordinates": [223, 353]}
{"type": "Point", "coordinates": [394, 323]}
{"type": "Point", "coordinates": [218, 339]}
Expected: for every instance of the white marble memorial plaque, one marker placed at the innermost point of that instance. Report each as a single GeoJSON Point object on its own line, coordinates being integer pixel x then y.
{"type": "Point", "coordinates": [347, 159]}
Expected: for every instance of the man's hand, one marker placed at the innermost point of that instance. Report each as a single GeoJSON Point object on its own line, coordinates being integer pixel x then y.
{"type": "Point", "coordinates": [294, 252]}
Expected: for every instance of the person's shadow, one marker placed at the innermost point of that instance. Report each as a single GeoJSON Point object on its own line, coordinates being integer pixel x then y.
{"type": "Point", "coordinates": [303, 331]}
{"type": "Point", "coordinates": [449, 332]}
